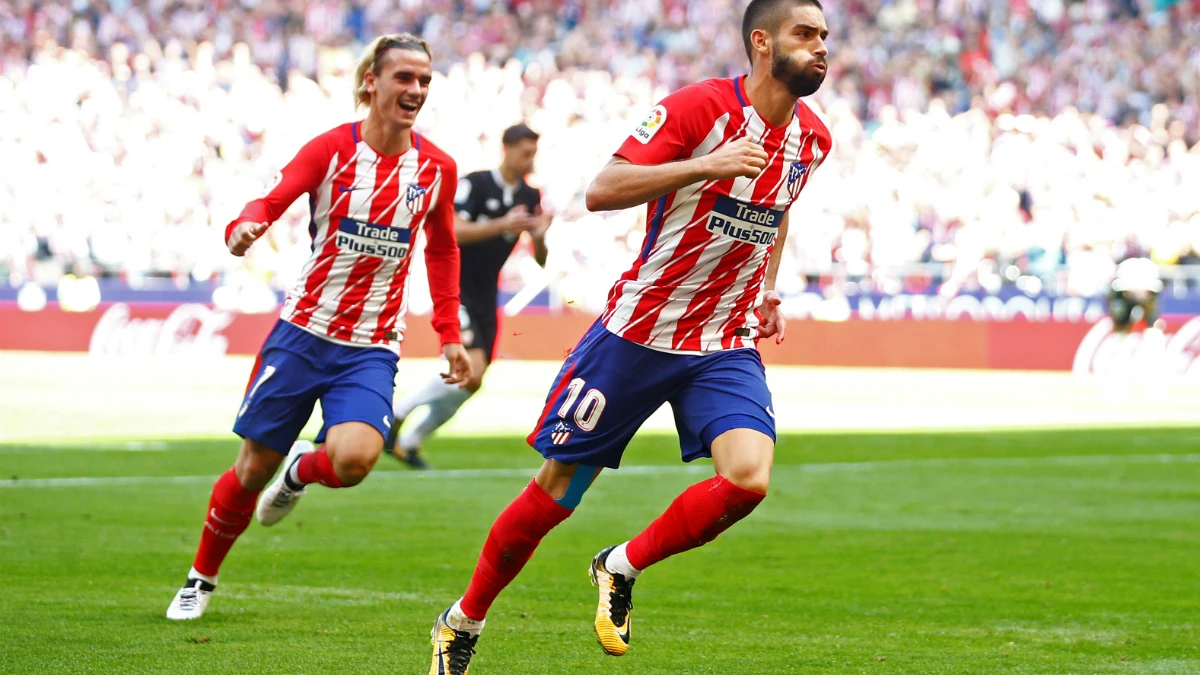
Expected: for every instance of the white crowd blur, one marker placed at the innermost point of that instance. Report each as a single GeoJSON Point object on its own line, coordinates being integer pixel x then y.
{"type": "Point", "coordinates": [133, 163]}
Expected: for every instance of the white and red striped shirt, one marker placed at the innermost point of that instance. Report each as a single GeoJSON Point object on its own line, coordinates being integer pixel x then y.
{"type": "Point", "coordinates": [368, 212]}
{"type": "Point", "coordinates": [700, 277]}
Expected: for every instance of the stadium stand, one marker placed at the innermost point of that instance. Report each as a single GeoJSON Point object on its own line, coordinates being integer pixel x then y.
{"type": "Point", "coordinates": [978, 142]}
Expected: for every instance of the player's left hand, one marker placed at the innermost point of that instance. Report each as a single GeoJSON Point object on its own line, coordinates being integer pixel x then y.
{"type": "Point", "coordinates": [773, 322]}
{"type": "Point", "coordinates": [541, 223]}
{"type": "Point", "coordinates": [459, 364]}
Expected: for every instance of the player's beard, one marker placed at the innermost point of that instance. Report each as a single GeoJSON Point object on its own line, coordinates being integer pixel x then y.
{"type": "Point", "coordinates": [800, 80]}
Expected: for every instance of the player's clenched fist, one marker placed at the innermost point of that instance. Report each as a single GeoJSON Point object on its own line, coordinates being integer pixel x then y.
{"type": "Point", "coordinates": [737, 158]}
{"type": "Point", "coordinates": [243, 235]}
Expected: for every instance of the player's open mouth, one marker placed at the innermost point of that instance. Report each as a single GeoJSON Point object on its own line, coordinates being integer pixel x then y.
{"type": "Point", "coordinates": [820, 67]}
{"type": "Point", "coordinates": [410, 107]}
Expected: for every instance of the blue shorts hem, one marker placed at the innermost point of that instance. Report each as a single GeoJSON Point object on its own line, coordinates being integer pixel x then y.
{"type": "Point", "coordinates": [728, 423]}
{"type": "Point", "coordinates": [274, 443]}
{"type": "Point", "coordinates": [377, 425]}
{"type": "Point", "coordinates": [603, 459]}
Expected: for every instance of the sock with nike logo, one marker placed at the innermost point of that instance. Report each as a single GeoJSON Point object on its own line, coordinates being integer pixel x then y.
{"type": "Point", "coordinates": [229, 512]}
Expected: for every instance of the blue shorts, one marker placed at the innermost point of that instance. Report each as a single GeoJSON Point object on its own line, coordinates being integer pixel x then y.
{"type": "Point", "coordinates": [609, 386]}
{"type": "Point", "coordinates": [295, 369]}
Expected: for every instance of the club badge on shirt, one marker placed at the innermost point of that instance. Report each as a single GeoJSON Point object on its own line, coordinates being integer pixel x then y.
{"type": "Point", "coordinates": [413, 196]}
{"type": "Point", "coordinates": [795, 173]}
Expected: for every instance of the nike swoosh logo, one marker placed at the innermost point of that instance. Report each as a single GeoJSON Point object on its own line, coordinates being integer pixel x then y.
{"type": "Point", "coordinates": [386, 421]}
{"type": "Point", "coordinates": [770, 412]}
{"type": "Point", "coordinates": [350, 189]}
{"type": "Point", "coordinates": [212, 513]}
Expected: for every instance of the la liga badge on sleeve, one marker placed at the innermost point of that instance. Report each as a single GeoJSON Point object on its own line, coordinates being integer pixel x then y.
{"type": "Point", "coordinates": [650, 126]}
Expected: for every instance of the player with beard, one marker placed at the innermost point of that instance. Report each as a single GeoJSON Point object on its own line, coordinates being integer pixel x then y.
{"type": "Point", "coordinates": [374, 187]}
{"type": "Point", "coordinates": [718, 165]}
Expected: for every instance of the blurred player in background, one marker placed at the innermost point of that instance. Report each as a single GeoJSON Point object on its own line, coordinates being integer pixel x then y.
{"type": "Point", "coordinates": [373, 187]}
{"type": "Point", "coordinates": [718, 164]}
{"type": "Point", "coordinates": [1133, 296]}
{"type": "Point", "coordinates": [1139, 355]}
{"type": "Point", "coordinates": [494, 208]}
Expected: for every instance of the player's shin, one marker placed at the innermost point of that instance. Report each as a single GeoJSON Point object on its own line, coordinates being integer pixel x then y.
{"type": "Point", "coordinates": [510, 544]}
{"type": "Point", "coordinates": [229, 512]}
{"type": "Point", "coordinates": [432, 391]}
{"type": "Point", "coordinates": [695, 518]}
{"type": "Point", "coordinates": [441, 408]}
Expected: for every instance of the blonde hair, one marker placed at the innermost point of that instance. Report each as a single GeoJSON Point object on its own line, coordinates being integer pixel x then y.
{"type": "Point", "coordinates": [370, 60]}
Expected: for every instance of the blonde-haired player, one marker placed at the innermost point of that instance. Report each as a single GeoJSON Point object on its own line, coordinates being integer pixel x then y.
{"type": "Point", "coordinates": [374, 187]}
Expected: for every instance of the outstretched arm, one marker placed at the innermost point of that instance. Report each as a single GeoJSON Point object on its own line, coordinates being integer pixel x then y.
{"type": "Point", "coordinates": [301, 175]}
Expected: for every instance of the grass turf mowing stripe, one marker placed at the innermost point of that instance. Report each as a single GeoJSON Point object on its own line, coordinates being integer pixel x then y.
{"type": "Point", "coordinates": [830, 467]}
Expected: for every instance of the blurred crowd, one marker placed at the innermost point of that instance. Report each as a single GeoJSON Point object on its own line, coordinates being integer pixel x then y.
{"type": "Point", "coordinates": [1032, 142]}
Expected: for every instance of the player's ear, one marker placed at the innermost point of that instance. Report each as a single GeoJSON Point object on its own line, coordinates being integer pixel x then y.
{"type": "Point", "coordinates": [369, 81]}
{"type": "Point", "coordinates": [760, 40]}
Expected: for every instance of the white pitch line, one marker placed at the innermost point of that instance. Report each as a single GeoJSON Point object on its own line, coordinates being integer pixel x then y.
{"type": "Point", "coordinates": [831, 467]}
{"type": "Point", "coordinates": [1001, 462]}
{"type": "Point", "coordinates": [116, 446]}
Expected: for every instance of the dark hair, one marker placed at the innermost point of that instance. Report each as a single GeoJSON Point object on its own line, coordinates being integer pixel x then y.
{"type": "Point", "coordinates": [517, 133]}
{"type": "Point", "coordinates": [765, 15]}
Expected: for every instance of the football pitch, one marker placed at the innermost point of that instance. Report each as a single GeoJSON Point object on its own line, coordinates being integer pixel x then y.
{"type": "Point", "coordinates": [1064, 539]}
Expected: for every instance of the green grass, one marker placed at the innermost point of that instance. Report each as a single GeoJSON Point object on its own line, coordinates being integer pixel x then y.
{"type": "Point", "coordinates": [1006, 552]}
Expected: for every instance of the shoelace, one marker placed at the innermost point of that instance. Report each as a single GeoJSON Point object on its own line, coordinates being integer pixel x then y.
{"type": "Point", "coordinates": [284, 497]}
{"type": "Point", "coordinates": [461, 648]}
{"type": "Point", "coordinates": [620, 600]}
{"type": "Point", "coordinates": [188, 598]}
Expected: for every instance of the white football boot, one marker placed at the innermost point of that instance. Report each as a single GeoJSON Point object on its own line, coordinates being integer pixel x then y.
{"type": "Point", "coordinates": [191, 600]}
{"type": "Point", "coordinates": [278, 499]}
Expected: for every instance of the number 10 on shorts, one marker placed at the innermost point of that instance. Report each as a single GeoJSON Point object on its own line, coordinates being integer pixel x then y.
{"type": "Point", "coordinates": [590, 408]}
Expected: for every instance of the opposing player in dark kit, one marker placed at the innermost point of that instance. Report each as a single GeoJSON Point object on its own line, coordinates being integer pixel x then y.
{"type": "Point", "coordinates": [494, 208]}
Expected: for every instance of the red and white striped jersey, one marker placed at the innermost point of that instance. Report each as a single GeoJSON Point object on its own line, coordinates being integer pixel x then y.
{"type": "Point", "coordinates": [699, 280]}
{"type": "Point", "coordinates": [367, 214]}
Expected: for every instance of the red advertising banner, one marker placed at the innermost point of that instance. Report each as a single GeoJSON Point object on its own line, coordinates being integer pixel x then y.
{"type": "Point", "coordinates": [123, 330]}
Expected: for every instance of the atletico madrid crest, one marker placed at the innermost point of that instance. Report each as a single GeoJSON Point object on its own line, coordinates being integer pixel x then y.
{"type": "Point", "coordinates": [412, 197]}
{"type": "Point", "coordinates": [561, 434]}
{"type": "Point", "coordinates": [794, 180]}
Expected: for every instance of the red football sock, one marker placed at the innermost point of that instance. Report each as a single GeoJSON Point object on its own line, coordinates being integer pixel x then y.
{"type": "Point", "coordinates": [695, 518]}
{"type": "Point", "coordinates": [316, 467]}
{"type": "Point", "coordinates": [229, 511]}
{"type": "Point", "coordinates": [514, 536]}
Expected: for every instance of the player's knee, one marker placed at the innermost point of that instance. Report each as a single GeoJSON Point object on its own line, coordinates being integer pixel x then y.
{"type": "Point", "coordinates": [753, 477]}
{"type": "Point", "coordinates": [253, 477]}
{"type": "Point", "coordinates": [256, 465]}
{"type": "Point", "coordinates": [744, 458]}
{"type": "Point", "coordinates": [759, 483]}
{"type": "Point", "coordinates": [352, 469]}
{"type": "Point", "coordinates": [353, 461]}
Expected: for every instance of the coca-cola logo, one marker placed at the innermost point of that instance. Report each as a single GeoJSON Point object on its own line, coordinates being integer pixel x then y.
{"type": "Point", "coordinates": [1151, 352]}
{"type": "Point", "coordinates": [192, 329]}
